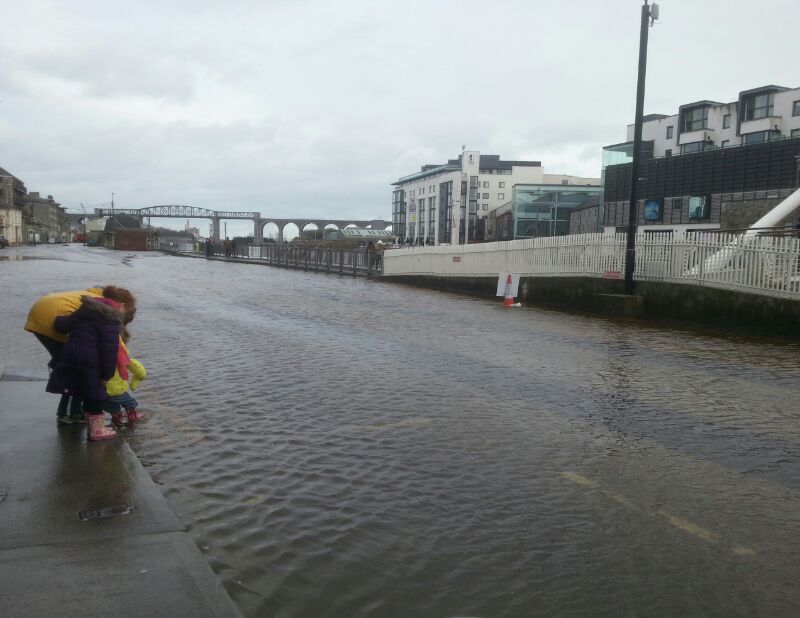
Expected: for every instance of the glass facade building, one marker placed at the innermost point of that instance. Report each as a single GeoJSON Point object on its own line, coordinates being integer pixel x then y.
{"type": "Point", "coordinates": [543, 210]}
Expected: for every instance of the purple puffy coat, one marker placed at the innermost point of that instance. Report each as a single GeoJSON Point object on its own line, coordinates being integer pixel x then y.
{"type": "Point", "coordinates": [90, 355]}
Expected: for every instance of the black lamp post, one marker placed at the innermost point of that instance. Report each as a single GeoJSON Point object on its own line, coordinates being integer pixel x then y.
{"type": "Point", "coordinates": [649, 15]}
{"type": "Point", "coordinates": [83, 209]}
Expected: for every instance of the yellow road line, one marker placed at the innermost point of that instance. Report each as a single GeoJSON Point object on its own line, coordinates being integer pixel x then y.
{"type": "Point", "coordinates": [577, 479]}
{"type": "Point", "coordinates": [676, 522]}
{"type": "Point", "coordinates": [692, 528]}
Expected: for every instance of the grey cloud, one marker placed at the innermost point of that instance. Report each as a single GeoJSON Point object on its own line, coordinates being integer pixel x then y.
{"type": "Point", "coordinates": [111, 70]}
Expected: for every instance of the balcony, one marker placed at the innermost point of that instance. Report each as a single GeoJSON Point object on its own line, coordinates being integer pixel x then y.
{"type": "Point", "coordinates": [702, 135]}
{"type": "Point", "coordinates": [768, 123]}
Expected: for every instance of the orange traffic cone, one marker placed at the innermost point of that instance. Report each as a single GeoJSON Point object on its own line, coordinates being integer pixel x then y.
{"type": "Point", "coordinates": [508, 301]}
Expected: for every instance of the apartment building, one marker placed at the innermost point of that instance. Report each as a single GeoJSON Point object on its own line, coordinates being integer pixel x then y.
{"type": "Point", "coordinates": [12, 202]}
{"type": "Point", "coordinates": [45, 217]}
{"type": "Point", "coordinates": [710, 166]}
{"type": "Point", "coordinates": [450, 202]}
{"type": "Point", "coordinates": [758, 115]}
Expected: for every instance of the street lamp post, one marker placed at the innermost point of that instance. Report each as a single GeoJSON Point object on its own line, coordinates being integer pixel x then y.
{"type": "Point", "coordinates": [649, 15]}
{"type": "Point", "coordinates": [83, 209]}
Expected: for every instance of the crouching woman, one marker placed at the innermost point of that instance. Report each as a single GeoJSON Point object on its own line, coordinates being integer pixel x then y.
{"type": "Point", "coordinates": [89, 358]}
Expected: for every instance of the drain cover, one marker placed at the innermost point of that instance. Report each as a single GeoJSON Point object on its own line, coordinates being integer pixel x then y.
{"type": "Point", "coordinates": [106, 513]}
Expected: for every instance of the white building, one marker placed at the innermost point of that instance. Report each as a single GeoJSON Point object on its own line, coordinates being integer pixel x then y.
{"type": "Point", "coordinates": [449, 203]}
{"type": "Point", "coordinates": [759, 115]}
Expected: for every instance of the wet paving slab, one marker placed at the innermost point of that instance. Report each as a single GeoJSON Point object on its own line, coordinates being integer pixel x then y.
{"type": "Point", "coordinates": [83, 528]}
{"type": "Point", "coordinates": [340, 446]}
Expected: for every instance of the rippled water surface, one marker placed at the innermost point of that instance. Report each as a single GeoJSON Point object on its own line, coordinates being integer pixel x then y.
{"type": "Point", "coordinates": [344, 447]}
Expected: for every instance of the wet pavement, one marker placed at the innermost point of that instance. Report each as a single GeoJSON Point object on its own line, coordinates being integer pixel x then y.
{"type": "Point", "coordinates": [343, 447]}
{"type": "Point", "coordinates": [84, 531]}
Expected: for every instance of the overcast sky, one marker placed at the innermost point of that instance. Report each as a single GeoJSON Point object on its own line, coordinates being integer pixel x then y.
{"type": "Point", "coordinates": [315, 107]}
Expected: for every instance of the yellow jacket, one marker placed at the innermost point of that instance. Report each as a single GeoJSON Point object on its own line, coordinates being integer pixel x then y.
{"type": "Point", "coordinates": [49, 307]}
{"type": "Point", "coordinates": [116, 385]}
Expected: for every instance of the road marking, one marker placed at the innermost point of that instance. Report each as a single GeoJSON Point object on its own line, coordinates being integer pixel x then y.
{"type": "Point", "coordinates": [676, 522]}
{"type": "Point", "coordinates": [578, 479]}
{"type": "Point", "coordinates": [692, 528]}
{"type": "Point", "coordinates": [619, 499]}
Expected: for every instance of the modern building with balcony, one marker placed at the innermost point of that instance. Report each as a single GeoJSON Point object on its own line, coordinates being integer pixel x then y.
{"type": "Point", "coordinates": [451, 203]}
{"type": "Point", "coordinates": [710, 166]}
{"type": "Point", "coordinates": [759, 115]}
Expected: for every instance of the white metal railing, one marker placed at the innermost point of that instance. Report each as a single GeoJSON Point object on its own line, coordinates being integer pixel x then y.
{"type": "Point", "coordinates": [763, 264]}
{"type": "Point", "coordinates": [175, 245]}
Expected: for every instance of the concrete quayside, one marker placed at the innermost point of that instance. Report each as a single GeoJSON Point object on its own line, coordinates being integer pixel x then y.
{"type": "Point", "coordinates": [85, 531]}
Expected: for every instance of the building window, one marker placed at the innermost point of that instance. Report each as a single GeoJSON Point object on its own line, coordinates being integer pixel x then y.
{"type": "Point", "coordinates": [668, 152]}
{"type": "Point", "coordinates": [485, 184]}
{"type": "Point", "coordinates": [795, 133]}
{"type": "Point", "coordinates": [502, 185]}
{"type": "Point", "coordinates": [693, 147]}
{"type": "Point", "coordinates": [796, 108]}
{"type": "Point", "coordinates": [669, 132]}
{"type": "Point", "coordinates": [677, 203]}
{"type": "Point", "coordinates": [422, 191]}
{"type": "Point", "coordinates": [758, 106]}
{"type": "Point", "coordinates": [501, 196]}
{"type": "Point", "coordinates": [726, 121]}
{"type": "Point", "coordinates": [762, 136]}
{"type": "Point", "coordinates": [726, 143]}
{"type": "Point", "coordinates": [486, 196]}
{"type": "Point", "coordinates": [485, 207]}
{"type": "Point", "coordinates": [695, 119]}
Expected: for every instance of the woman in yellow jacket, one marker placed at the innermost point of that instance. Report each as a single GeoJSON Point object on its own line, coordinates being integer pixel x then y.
{"type": "Point", "coordinates": [40, 322]}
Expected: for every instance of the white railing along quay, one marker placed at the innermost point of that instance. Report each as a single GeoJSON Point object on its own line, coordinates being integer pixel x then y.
{"type": "Point", "coordinates": [764, 264]}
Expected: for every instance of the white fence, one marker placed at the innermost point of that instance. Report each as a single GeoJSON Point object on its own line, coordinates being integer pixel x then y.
{"type": "Point", "coordinates": [763, 264]}
{"type": "Point", "coordinates": [175, 245]}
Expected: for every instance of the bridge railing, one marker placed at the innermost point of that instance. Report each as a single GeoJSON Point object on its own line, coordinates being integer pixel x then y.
{"type": "Point", "coordinates": [174, 245]}
{"type": "Point", "coordinates": [322, 259]}
{"type": "Point", "coordinates": [767, 265]}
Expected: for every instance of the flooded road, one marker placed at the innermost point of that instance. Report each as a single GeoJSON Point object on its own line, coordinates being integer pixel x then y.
{"type": "Point", "coordinates": [344, 447]}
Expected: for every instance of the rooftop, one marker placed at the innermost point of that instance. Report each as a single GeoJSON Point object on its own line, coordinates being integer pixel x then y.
{"type": "Point", "coordinates": [487, 162]}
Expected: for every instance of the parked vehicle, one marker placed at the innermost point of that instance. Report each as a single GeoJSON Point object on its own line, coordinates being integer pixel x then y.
{"type": "Point", "coordinates": [3, 242]}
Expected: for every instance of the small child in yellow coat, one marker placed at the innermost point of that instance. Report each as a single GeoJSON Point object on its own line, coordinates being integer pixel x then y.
{"type": "Point", "coordinates": [119, 399]}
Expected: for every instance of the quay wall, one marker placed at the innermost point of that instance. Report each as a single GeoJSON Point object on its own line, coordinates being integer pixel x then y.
{"type": "Point", "coordinates": [709, 307]}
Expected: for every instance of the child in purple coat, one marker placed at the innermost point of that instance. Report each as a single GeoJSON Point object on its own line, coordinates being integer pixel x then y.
{"type": "Point", "coordinates": [89, 358]}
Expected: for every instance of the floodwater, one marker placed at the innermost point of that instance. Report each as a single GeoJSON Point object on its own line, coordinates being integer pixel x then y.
{"type": "Point", "coordinates": [344, 447]}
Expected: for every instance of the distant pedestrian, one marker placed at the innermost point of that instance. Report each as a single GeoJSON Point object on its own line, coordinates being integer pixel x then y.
{"type": "Point", "coordinates": [233, 247]}
{"type": "Point", "coordinates": [227, 246]}
{"type": "Point", "coordinates": [209, 247]}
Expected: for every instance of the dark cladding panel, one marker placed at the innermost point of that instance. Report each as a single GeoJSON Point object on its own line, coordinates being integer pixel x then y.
{"type": "Point", "coordinates": [757, 167]}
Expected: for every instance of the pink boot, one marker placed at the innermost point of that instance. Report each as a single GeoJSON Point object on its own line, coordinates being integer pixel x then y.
{"type": "Point", "coordinates": [135, 415]}
{"type": "Point", "coordinates": [98, 429]}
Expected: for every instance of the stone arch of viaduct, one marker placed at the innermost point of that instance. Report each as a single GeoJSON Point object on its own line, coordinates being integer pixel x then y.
{"type": "Point", "coordinates": [320, 223]}
{"type": "Point", "coordinates": [177, 211]}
